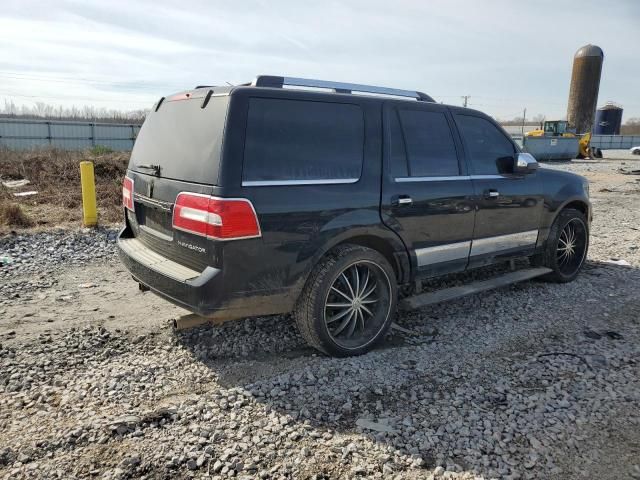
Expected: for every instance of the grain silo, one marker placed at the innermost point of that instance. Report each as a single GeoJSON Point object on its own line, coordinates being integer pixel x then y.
{"type": "Point", "coordinates": [608, 120]}
{"type": "Point", "coordinates": [585, 83]}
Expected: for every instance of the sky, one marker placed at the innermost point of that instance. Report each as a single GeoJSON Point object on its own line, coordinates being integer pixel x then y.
{"type": "Point", "coordinates": [506, 55]}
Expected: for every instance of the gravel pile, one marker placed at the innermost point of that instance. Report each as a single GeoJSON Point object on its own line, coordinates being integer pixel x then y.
{"type": "Point", "coordinates": [27, 261]}
{"type": "Point", "coordinates": [34, 253]}
{"type": "Point", "coordinates": [534, 381]}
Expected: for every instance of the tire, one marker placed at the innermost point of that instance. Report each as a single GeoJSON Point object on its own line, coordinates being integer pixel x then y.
{"type": "Point", "coordinates": [343, 281]}
{"type": "Point", "coordinates": [565, 268]}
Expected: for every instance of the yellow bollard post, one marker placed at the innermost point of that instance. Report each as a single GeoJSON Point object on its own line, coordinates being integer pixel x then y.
{"type": "Point", "coordinates": [89, 208]}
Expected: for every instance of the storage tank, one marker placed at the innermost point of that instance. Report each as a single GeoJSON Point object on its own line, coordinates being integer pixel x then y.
{"type": "Point", "coordinates": [608, 120]}
{"type": "Point", "coordinates": [585, 83]}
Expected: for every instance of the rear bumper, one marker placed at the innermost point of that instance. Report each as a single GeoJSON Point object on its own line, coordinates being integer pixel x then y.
{"type": "Point", "coordinates": [205, 293]}
{"type": "Point", "coordinates": [195, 291]}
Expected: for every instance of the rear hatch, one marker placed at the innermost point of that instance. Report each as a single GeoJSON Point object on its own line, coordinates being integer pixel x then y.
{"type": "Point", "coordinates": [177, 150]}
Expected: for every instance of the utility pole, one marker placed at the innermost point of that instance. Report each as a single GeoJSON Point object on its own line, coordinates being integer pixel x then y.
{"type": "Point", "coordinates": [524, 119]}
{"type": "Point", "coordinates": [465, 98]}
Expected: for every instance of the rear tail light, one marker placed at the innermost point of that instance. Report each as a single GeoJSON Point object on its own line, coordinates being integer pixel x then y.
{"type": "Point", "coordinates": [214, 217]}
{"type": "Point", "coordinates": [127, 193]}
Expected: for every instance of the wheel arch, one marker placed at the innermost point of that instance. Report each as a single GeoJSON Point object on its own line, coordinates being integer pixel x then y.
{"type": "Point", "coordinates": [383, 247]}
{"type": "Point", "coordinates": [578, 203]}
{"type": "Point", "coordinates": [383, 241]}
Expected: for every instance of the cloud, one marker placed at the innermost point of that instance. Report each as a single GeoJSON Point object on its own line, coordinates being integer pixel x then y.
{"type": "Point", "coordinates": [506, 55]}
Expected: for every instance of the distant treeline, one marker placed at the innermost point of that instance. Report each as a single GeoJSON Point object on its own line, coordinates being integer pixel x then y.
{"type": "Point", "coordinates": [631, 127]}
{"type": "Point", "coordinates": [86, 113]}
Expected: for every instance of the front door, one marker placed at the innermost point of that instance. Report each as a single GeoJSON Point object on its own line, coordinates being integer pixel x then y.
{"type": "Point", "coordinates": [509, 205]}
{"type": "Point", "coordinates": [427, 195]}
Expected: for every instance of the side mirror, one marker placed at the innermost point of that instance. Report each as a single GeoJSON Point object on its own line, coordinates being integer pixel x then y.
{"type": "Point", "coordinates": [525, 163]}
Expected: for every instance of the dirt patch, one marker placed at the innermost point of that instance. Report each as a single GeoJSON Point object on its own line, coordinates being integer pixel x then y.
{"type": "Point", "coordinates": [55, 175]}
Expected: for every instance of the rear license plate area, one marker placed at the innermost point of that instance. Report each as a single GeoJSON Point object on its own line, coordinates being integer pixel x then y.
{"type": "Point", "coordinates": [155, 219]}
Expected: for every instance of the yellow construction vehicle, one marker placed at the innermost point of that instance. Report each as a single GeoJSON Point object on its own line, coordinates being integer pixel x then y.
{"type": "Point", "coordinates": [585, 151]}
{"type": "Point", "coordinates": [559, 128]}
{"type": "Point", "coordinates": [552, 128]}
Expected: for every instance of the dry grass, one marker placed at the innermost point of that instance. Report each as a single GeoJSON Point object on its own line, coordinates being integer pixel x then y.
{"type": "Point", "coordinates": [55, 174]}
{"type": "Point", "coordinates": [11, 215]}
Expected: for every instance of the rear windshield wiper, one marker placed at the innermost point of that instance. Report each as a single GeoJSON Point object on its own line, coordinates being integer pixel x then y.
{"type": "Point", "coordinates": [150, 166]}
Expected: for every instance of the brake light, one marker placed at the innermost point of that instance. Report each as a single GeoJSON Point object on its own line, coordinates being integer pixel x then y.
{"type": "Point", "coordinates": [214, 217]}
{"type": "Point", "coordinates": [127, 193]}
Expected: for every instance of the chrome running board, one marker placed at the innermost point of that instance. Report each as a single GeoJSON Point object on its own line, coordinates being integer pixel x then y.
{"type": "Point", "coordinates": [437, 296]}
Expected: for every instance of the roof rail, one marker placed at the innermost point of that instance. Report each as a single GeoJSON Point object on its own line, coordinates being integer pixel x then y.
{"type": "Point", "coordinates": [338, 87]}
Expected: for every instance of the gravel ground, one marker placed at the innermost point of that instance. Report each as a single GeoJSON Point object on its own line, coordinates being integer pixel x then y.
{"type": "Point", "coordinates": [532, 381]}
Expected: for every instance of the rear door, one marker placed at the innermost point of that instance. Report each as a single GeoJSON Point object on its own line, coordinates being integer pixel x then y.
{"type": "Point", "coordinates": [177, 150]}
{"type": "Point", "coordinates": [509, 205]}
{"type": "Point", "coordinates": [427, 195]}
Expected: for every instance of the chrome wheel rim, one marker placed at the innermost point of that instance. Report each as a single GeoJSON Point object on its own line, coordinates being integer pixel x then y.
{"type": "Point", "coordinates": [357, 305]}
{"type": "Point", "coordinates": [572, 245]}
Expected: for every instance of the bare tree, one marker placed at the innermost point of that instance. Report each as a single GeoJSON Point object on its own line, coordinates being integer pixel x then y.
{"type": "Point", "coordinates": [42, 110]}
{"type": "Point", "coordinates": [631, 126]}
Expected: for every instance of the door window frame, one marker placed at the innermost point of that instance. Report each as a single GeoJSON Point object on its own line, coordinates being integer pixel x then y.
{"type": "Point", "coordinates": [391, 108]}
{"type": "Point", "coordinates": [465, 150]}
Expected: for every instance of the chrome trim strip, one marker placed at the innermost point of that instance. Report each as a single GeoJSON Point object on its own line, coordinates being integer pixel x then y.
{"type": "Point", "coordinates": [445, 179]}
{"type": "Point", "coordinates": [431, 179]}
{"type": "Point", "coordinates": [483, 246]}
{"type": "Point", "coordinates": [461, 250]}
{"type": "Point", "coordinates": [152, 202]}
{"type": "Point", "coordinates": [268, 183]}
{"type": "Point", "coordinates": [443, 253]}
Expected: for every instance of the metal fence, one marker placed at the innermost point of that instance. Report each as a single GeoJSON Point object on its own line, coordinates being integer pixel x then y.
{"type": "Point", "coordinates": [614, 142]}
{"type": "Point", "coordinates": [27, 134]}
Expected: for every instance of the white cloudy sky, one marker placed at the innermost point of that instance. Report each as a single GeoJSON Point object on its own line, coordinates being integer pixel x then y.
{"type": "Point", "coordinates": [507, 55]}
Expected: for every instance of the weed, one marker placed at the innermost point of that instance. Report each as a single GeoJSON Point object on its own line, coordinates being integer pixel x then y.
{"type": "Point", "coordinates": [11, 215]}
{"type": "Point", "coordinates": [101, 150]}
{"type": "Point", "coordinates": [55, 175]}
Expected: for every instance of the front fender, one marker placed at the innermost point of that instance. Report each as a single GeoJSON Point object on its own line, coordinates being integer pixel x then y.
{"type": "Point", "coordinates": [558, 196]}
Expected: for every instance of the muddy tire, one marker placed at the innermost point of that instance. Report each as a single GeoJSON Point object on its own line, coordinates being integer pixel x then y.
{"type": "Point", "coordinates": [566, 248]}
{"type": "Point", "coordinates": [348, 302]}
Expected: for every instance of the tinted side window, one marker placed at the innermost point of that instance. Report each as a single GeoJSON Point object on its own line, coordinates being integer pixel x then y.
{"type": "Point", "coordinates": [489, 150]}
{"type": "Point", "coordinates": [397, 151]}
{"type": "Point", "coordinates": [429, 144]}
{"type": "Point", "coordinates": [302, 140]}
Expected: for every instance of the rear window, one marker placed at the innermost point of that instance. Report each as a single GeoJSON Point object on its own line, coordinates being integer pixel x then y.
{"type": "Point", "coordinates": [305, 141]}
{"type": "Point", "coordinates": [183, 139]}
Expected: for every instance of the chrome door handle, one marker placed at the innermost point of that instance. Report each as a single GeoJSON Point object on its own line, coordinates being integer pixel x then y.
{"type": "Point", "coordinates": [402, 200]}
{"type": "Point", "coordinates": [491, 193]}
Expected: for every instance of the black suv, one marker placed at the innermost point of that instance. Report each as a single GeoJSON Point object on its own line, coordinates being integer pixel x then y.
{"type": "Point", "coordinates": [264, 199]}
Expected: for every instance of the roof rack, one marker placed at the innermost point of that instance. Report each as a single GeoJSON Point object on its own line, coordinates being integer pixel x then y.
{"type": "Point", "coordinates": [338, 87]}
